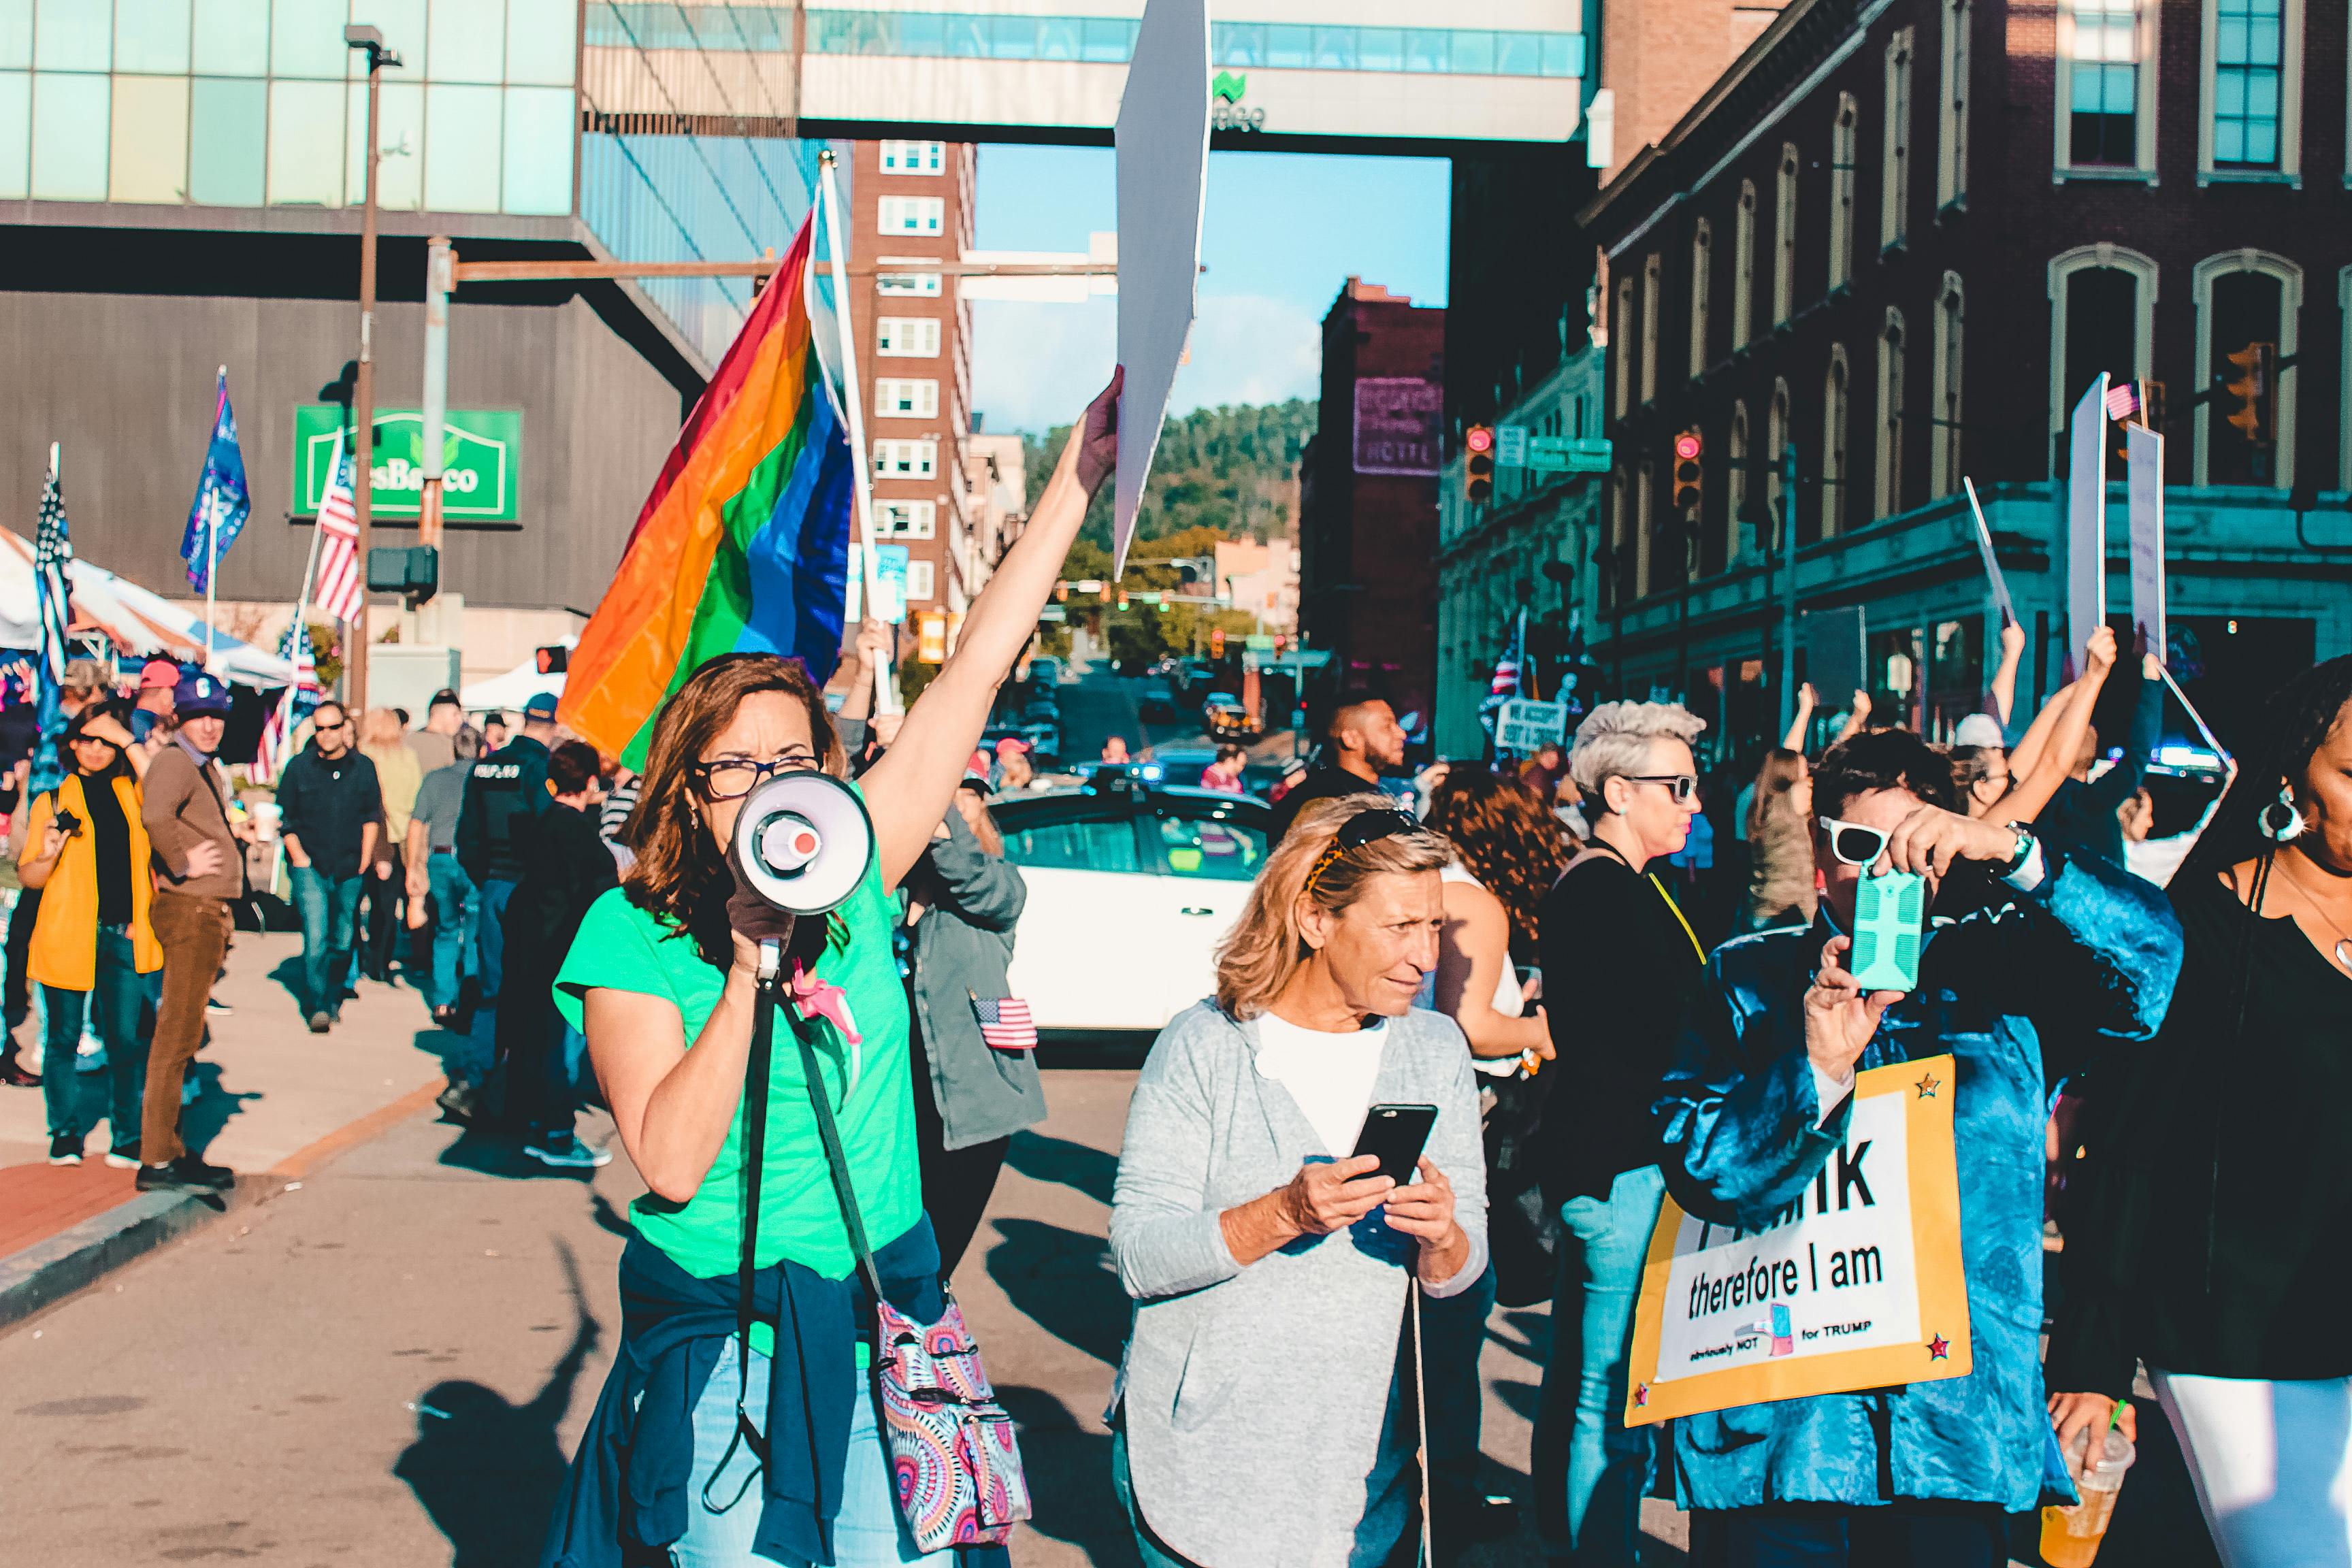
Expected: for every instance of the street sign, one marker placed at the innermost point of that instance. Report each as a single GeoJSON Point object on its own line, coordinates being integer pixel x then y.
{"type": "Point", "coordinates": [1510, 446]}
{"type": "Point", "coordinates": [1054, 614]}
{"type": "Point", "coordinates": [1525, 725]}
{"type": "Point", "coordinates": [890, 584]}
{"type": "Point", "coordinates": [1259, 642]}
{"type": "Point", "coordinates": [480, 472]}
{"type": "Point", "coordinates": [1568, 454]}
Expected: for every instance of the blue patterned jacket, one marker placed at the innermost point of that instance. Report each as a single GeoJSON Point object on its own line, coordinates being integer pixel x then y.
{"type": "Point", "coordinates": [2091, 951]}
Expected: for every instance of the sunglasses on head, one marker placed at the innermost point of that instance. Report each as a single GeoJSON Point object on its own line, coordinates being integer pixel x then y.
{"type": "Point", "coordinates": [1364, 828]}
{"type": "Point", "coordinates": [1684, 785]}
{"type": "Point", "coordinates": [1853, 843]}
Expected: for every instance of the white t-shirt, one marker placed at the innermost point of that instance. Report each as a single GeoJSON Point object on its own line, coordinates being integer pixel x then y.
{"type": "Point", "coordinates": [1328, 1075]}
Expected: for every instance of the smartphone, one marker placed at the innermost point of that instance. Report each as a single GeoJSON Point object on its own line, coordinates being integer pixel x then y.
{"type": "Point", "coordinates": [1395, 1134]}
{"type": "Point", "coordinates": [1889, 913]}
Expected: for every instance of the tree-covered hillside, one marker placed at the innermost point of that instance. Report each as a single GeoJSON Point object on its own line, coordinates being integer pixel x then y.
{"type": "Point", "coordinates": [1233, 468]}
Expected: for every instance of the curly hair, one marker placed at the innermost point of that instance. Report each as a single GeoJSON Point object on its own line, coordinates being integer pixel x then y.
{"type": "Point", "coordinates": [1505, 838]}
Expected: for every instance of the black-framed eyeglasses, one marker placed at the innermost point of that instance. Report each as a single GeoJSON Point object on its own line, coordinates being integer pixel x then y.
{"type": "Point", "coordinates": [1364, 828]}
{"type": "Point", "coordinates": [732, 778]}
{"type": "Point", "coordinates": [1685, 786]}
{"type": "Point", "coordinates": [1853, 843]}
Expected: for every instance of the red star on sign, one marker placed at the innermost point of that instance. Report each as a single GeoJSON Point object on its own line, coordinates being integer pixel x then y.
{"type": "Point", "coordinates": [1929, 1085]}
{"type": "Point", "coordinates": [1939, 1349]}
{"type": "Point", "coordinates": [1640, 1394]}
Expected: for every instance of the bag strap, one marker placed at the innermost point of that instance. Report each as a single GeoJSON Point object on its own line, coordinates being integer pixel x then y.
{"type": "Point", "coordinates": [764, 1001]}
{"type": "Point", "coordinates": [836, 1163]}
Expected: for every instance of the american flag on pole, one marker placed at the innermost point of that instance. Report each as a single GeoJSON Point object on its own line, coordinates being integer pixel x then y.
{"type": "Point", "coordinates": [52, 563]}
{"type": "Point", "coordinates": [294, 704]}
{"type": "Point", "coordinates": [338, 591]}
{"type": "Point", "coordinates": [2123, 400]}
{"type": "Point", "coordinates": [1004, 1023]}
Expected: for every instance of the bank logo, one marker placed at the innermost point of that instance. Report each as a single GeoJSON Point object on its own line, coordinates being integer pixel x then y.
{"type": "Point", "coordinates": [1229, 85]}
{"type": "Point", "coordinates": [1226, 111]}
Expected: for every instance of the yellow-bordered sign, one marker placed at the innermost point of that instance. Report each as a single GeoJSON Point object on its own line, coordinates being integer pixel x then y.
{"type": "Point", "coordinates": [1858, 1284]}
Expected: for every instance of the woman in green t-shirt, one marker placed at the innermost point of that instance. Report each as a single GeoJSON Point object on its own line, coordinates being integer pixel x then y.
{"type": "Point", "coordinates": [662, 979]}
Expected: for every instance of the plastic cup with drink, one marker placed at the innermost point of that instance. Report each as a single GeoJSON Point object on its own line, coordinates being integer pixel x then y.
{"type": "Point", "coordinates": [2071, 1536]}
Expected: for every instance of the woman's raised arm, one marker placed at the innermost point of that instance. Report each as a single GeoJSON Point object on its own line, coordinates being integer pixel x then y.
{"type": "Point", "coordinates": [908, 790]}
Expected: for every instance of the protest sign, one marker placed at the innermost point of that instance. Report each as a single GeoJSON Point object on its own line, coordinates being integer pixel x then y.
{"type": "Point", "coordinates": [1832, 641]}
{"type": "Point", "coordinates": [1525, 725]}
{"type": "Point", "coordinates": [2144, 474]}
{"type": "Point", "coordinates": [1163, 141]}
{"type": "Point", "coordinates": [2087, 520]}
{"type": "Point", "coordinates": [1859, 1283]}
{"type": "Point", "coordinates": [2001, 599]}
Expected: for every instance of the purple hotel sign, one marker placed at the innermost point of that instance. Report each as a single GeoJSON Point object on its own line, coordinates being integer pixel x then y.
{"type": "Point", "coordinates": [1398, 422]}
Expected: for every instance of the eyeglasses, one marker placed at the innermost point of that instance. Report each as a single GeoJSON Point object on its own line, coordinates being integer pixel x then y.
{"type": "Point", "coordinates": [1685, 786]}
{"type": "Point", "coordinates": [732, 778]}
{"type": "Point", "coordinates": [1364, 828]}
{"type": "Point", "coordinates": [1853, 843]}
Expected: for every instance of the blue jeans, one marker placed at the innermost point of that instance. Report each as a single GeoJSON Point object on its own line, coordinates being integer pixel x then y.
{"type": "Point", "coordinates": [1590, 1472]}
{"type": "Point", "coordinates": [1453, 1331]}
{"type": "Point", "coordinates": [116, 1000]}
{"type": "Point", "coordinates": [866, 1534]}
{"type": "Point", "coordinates": [328, 907]}
{"type": "Point", "coordinates": [455, 910]}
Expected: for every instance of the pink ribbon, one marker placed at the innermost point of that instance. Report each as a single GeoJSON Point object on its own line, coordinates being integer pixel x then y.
{"type": "Point", "coordinates": [816, 998]}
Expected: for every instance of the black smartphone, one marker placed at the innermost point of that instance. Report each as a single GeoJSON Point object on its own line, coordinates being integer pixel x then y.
{"type": "Point", "coordinates": [1395, 1134]}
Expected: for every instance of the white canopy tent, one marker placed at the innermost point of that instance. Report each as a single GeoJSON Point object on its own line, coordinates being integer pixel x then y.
{"type": "Point", "coordinates": [139, 624]}
{"type": "Point", "coordinates": [507, 693]}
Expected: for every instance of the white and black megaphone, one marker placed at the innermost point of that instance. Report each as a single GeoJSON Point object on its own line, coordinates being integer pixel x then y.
{"type": "Point", "coordinates": [803, 840]}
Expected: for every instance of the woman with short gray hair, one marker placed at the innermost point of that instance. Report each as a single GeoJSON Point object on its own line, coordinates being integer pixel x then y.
{"type": "Point", "coordinates": [1620, 967]}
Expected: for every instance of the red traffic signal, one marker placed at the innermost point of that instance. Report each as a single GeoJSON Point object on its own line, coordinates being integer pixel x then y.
{"type": "Point", "coordinates": [1689, 476]}
{"type": "Point", "coordinates": [555, 660]}
{"type": "Point", "coordinates": [1478, 463]}
{"type": "Point", "coordinates": [1686, 447]}
{"type": "Point", "coordinates": [1479, 439]}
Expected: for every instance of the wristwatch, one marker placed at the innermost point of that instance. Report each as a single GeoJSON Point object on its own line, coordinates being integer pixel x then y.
{"type": "Point", "coordinates": [2024, 851]}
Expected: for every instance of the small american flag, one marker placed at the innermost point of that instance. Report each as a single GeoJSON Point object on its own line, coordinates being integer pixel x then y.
{"type": "Point", "coordinates": [2123, 400]}
{"type": "Point", "coordinates": [294, 705]}
{"type": "Point", "coordinates": [338, 591]}
{"type": "Point", "coordinates": [1004, 1023]}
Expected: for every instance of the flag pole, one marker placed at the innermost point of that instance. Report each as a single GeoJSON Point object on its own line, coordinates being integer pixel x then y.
{"type": "Point", "coordinates": [212, 535]}
{"type": "Point", "coordinates": [886, 694]}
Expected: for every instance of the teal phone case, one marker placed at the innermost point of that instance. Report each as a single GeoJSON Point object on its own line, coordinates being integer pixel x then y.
{"type": "Point", "coordinates": [1888, 912]}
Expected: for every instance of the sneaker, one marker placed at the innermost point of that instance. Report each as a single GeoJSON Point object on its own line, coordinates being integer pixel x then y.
{"type": "Point", "coordinates": [216, 1008]}
{"type": "Point", "coordinates": [565, 1151]}
{"type": "Point", "coordinates": [460, 1101]}
{"type": "Point", "coordinates": [320, 1023]}
{"type": "Point", "coordinates": [124, 1156]}
{"type": "Point", "coordinates": [65, 1149]}
{"type": "Point", "coordinates": [186, 1175]}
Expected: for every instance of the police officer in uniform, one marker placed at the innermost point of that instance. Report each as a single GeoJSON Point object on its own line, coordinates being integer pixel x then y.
{"type": "Point", "coordinates": [506, 786]}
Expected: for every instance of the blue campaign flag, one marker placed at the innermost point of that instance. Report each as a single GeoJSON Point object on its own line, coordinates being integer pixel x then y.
{"type": "Point", "coordinates": [222, 502]}
{"type": "Point", "coordinates": [53, 584]}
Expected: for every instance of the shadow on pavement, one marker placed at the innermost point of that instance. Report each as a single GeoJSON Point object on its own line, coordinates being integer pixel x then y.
{"type": "Point", "coordinates": [288, 976]}
{"type": "Point", "coordinates": [201, 1120]}
{"type": "Point", "coordinates": [1101, 1051]}
{"type": "Point", "coordinates": [1061, 1280]}
{"type": "Point", "coordinates": [486, 1471]}
{"type": "Point", "coordinates": [1068, 1460]}
{"type": "Point", "coordinates": [500, 1154]}
{"type": "Point", "coordinates": [1078, 1166]}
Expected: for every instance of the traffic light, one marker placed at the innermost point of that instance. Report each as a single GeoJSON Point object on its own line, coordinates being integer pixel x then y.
{"type": "Point", "coordinates": [1122, 598]}
{"type": "Point", "coordinates": [1216, 642]}
{"type": "Point", "coordinates": [1478, 464]}
{"type": "Point", "coordinates": [1688, 472]}
{"type": "Point", "coordinates": [555, 660]}
{"type": "Point", "coordinates": [1061, 592]}
{"type": "Point", "coordinates": [2255, 389]}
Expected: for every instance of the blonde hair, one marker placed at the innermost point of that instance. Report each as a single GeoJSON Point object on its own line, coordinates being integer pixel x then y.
{"type": "Point", "coordinates": [1267, 944]}
{"type": "Point", "coordinates": [380, 729]}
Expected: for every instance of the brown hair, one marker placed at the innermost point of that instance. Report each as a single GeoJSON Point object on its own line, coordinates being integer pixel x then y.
{"type": "Point", "coordinates": [1505, 838]}
{"type": "Point", "coordinates": [574, 766]}
{"type": "Point", "coordinates": [1782, 771]}
{"type": "Point", "coordinates": [680, 875]}
{"type": "Point", "coordinates": [1267, 945]}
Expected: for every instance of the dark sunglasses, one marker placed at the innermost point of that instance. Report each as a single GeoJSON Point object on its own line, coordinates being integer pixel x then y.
{"type": "Point", "coordinates": [1685, 786]}
{"type": "Point", "coordinates": [1364, 828]}
{"type": "Point", "coordinates": [1853, 843]}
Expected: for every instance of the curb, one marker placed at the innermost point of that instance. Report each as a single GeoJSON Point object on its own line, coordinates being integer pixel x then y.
{"type": "Point", "coordinates": [81, 1255]}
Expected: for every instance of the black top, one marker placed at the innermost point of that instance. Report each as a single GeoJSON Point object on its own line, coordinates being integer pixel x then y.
{"type": "Point", "coordinates": [1323, 784]}
{"type": "Point", "coordinates": [2214, 1242]}
{"type": "Point", "coordinates": [505, 787]}
{"type": "Point", "coordinates": [109, 834]}
{"type": "Point", "coordinates": [1620, 971]}
{"type": "Point", "coordinates": [327, 802]}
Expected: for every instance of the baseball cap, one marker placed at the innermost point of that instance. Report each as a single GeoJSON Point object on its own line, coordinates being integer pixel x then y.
{"type": "Point", "coordinates": [978, 763]}
{"type": "Point", "coordinates": [159, 675]}
{"type": "Point", "coordinates": [1012, 745]}
{"type": "Point", "coordinates": [200, 694]}
{"type": "Point", "coordinates": [1978, 730]}
{"type": "Point", "coordinates": [540, 706]}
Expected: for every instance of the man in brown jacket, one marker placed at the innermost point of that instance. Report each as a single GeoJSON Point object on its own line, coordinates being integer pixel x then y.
{"type": "Point", "coordinates": [198, 870]}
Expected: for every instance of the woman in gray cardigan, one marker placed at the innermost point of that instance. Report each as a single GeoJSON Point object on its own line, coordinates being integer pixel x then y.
{"type": "Point", "coordinates": [1261, 1419]}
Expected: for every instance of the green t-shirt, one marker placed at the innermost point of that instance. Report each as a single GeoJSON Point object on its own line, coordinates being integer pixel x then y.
{"type": "Point", "coordinates": [624, 948]}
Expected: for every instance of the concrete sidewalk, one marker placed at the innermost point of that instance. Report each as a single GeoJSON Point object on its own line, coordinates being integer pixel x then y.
{"type": "Point", "coordinates": [276, 1100]}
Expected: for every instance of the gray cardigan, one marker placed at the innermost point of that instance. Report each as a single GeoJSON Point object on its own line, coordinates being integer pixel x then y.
{"type": "Point", "coordinates": [971, 900]}
{"type": "Point", "coordinates": [1255, 1398]}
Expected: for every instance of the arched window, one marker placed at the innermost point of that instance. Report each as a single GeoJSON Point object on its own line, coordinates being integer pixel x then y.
{"type": "Point", "coordinates": [1621, 346]}
{"type": "Point", "coordinates": [1743, 267]}
{"type": "Point", "coordinates": [1776, 440]}
{"type": "Point", "coordinates": [1834, 386]}
{"type": "Point", "coordinates": [1653, 298]}
{"type": "Point", "coordinates": [1735, 459]}
{"type": "Point", "coordinates": [1895, 169]}
{"type": "Point", "coordinates": [1644, 518]}
{"type": "Point", "coordinates": [2245, 297]}
{"type": "Point", "coordinates": [1784, 236]}
{"type": "Point", "coordinates": [1702, 276]}
{"type": "Point", "coordinates": [2102, 318]}
{"type": "Point", "coordinates": [1886, 461]}
{"type": "Point", "coordinates": [1842, 142]}
{"type": "Point", "coordinates": [1952, 145]}
{"type": "Point", "coordinates": [1944, 436]}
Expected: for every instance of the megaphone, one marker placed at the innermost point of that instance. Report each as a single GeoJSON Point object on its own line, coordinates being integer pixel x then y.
{"type": "Point", "coordinates": [803, 840]}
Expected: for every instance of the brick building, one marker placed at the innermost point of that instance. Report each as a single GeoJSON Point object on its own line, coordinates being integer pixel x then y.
{"type": "Point", "coordinates": [1905, 236]}
{"type": "Point", "coordinates": [1368, 496]}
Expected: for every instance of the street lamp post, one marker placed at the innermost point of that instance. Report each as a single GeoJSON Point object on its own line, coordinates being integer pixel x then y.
{"type": "Point", "coordinates": [363, 390]}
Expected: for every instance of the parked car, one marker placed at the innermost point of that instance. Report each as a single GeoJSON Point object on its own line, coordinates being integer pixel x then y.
{"type": "Point", "coordinates": [1156, 704]}
{"type": "Point", "coordinates": [1226, 718]}
{"type": "Point", "coordinates": [1130, 887]}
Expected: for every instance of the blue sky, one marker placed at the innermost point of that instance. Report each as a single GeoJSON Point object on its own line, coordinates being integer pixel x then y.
{"type": "Point", "coordinates": [1283, 233]}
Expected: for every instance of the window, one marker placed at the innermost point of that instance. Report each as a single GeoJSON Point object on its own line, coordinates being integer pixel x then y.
{"type": "Point", "coordinates": [908, 337]}
{"type": "Point", "coordinates": [2101, 84]}
{"type": "Point", "coordinates": [1887, 465]}
{"type": "Point", "coordinates": [1842, 143]}
{"type": "Point", "coordinates": [908, 285]}
{"type": "Point", "coordinates": [1624, 344]}
{"type": "Point", "coordinates": [1743, 267]}
{"type": "Point", "coordinates": [906, 459]}
{"type": "Point", "coordinates": [1895, 176]}
{"type": "Point", "coordinates": [1952, 144]}
{"type": "Point", "coordinates": [2254, 64]}
{"type": "Point", "coordinates": [1702, 276]}
{"type": "Point", "coordinates": [913, 157]}
{"type": "Point", "coordinates": [1052, 840]}
{"type": "Point", "coordinates": [2101, 311]}
{"type": "Point", "coordinates": [924, 216]}
{"type": "Point", "coordinates": [2245, 297]}
{"type": "Point", "coordinates": [1776, 442]}
{"type": "Point", "coordinates": [1620, 549]}
{"type": "Point", "coordinates": [920, 585]}
{"type": "Point", "coordinates": [1207, 848]}
{"type": "Point", "coordinates": [901, 399]}
{"type": "Point", "coordinates": [907, 519]}
{"type": "Point", "coordinates": [1652, 286]}
{"type": "Point", "coordinates": [1784, 237]}
{"type": "Point", "coordinates": [1644, 518]}
{"type": "Point", "coordinates": [1943, 434]}
{"type": "Point", "coordinates": [1736, 459]}
{"type": "Point", "coordinates": [1834, 466]}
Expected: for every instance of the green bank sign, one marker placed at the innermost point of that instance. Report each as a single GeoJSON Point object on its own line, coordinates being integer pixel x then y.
{"type": "Point", "coordinates": [481, 453]}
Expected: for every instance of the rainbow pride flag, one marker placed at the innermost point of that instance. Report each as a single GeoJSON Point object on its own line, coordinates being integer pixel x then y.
{"type": "Point", "coordinates": [743, 544]}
